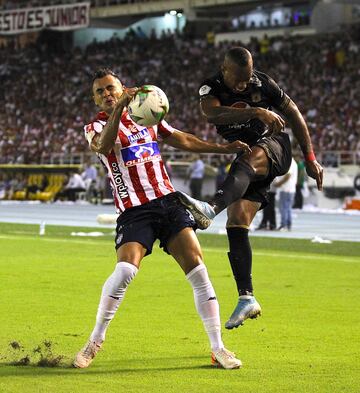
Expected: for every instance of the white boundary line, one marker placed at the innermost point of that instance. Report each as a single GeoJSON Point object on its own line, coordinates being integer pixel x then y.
{"type": "Point", "coordinates": [334, 258]}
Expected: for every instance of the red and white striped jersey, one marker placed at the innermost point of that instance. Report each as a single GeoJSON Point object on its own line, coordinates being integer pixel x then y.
{"type": "Point", "coordinates": [134, 166]}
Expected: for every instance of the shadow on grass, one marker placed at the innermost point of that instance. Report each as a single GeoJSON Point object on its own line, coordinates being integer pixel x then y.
{"type": "Point", "coordinates": [66, 368]}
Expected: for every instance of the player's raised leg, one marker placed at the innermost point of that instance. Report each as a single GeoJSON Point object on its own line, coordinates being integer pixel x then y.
{"type": "Point", "coordinates": [244, 170]}
{"type": "Point", "coordinates": [112, 295]}
{"type": "Point", "coordinates": [185, 248]}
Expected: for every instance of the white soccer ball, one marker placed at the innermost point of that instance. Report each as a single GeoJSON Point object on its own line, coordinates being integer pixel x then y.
{"type": "Point", "coordinates": [149, 106]}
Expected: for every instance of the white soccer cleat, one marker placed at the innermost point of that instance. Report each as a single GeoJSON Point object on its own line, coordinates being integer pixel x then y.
{"type": "Point", "coordinates": [86, 355]}
{"type": "Point", "coordinates": [203, 212]}
{"type": "Point", "coordinates": [225, 359]}
{"type": "Point", "coordinates": [247, 307]}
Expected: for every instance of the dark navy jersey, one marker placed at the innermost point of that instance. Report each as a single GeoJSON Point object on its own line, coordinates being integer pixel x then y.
{"type": "Point", "coordinates": [261, 91]}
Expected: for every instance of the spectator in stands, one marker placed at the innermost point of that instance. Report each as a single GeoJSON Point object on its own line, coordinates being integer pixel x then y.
{"type": "Point", "coordinates": [89, 173]}
{"type": "Point", "coordinates": [269, 213]}
{"type": "Point", "coordinates": [34, 188]}
{"type": "Point", "coordinates": [75, 185]}
{"type": "Point", "coordinates": [4, 186]}
{"type": "Point", "coordinates": [195, 173]}
{"type": "Point", "coordinates": [90, 178]}
{"type": "Point", "coordinates": [300, 183]}
{"type": "Point", "coordinates": [17, 183]}
{"type": "Point", "coordinates": [286, 184]}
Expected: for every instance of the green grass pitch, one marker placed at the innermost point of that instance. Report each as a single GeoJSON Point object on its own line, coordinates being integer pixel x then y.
{"type": "Point", "coordinates": [307, 340]}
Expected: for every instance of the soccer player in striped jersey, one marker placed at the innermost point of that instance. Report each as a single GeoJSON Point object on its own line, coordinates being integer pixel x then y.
{"type": "Point", "coordinates": [149, 209]}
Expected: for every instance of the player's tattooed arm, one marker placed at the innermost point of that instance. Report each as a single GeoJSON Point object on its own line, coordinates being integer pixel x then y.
{"type": "Point", "coordinates": [105, 141]}
{"type": "Point", "coordinates": [217, 114]}
{"type": "Point", "coordinates": [302, 135]}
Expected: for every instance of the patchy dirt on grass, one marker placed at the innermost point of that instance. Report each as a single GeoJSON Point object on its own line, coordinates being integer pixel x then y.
{"type": "Point", "coordinates": [41, 355]}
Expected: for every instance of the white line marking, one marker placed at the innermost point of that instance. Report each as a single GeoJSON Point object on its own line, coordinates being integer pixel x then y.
{"type": "Point", "coordinates": [334, 258]}
{"type": "Point", "coordinates": [289, 256]}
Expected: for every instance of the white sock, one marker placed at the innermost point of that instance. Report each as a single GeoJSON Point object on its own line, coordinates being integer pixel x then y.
{"type": "Point", "coordinates": [113, 293]}
{"type": "Point", "coordinates": [206, 304]}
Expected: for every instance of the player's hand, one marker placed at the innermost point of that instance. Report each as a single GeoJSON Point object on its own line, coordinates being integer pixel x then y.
{"type": "Point", "coordinates": [274, 122]}
{"type": "Point", "coordinates": [237, 147]}
{"type": "Point", "coordinates": [316, 171]}
{"type": "Point", "coordinates": [127, 95]}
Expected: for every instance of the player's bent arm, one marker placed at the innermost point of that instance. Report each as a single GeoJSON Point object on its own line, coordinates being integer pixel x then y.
{"type": "Point", "coordinates": [301, 133]}
{"type": "Point", "coordinates": [217, 114]}
{"type": "Point", "coordinates": [298, 126]}
{"type": "Point", "coordinates": [188, 142]}
{"type": "Point", "coordinates": [106, 140]}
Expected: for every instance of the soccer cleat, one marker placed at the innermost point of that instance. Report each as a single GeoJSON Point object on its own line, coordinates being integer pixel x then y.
{"type": "Point", "coordinates": [247, 307]}
{"type": "Point", "coordinates": [203, 212]}
{"type": "Point", "coordinates": [225, 359]}
{"type": "Point", "coordinates": [86, 355]}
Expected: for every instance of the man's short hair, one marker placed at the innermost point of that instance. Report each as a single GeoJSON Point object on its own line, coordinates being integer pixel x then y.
{"type": "Point", "coordinates": [238, 55]}
{"type": "Point", "coordinates": [101, 72]}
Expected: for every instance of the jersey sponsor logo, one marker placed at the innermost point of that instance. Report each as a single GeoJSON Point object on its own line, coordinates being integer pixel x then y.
{"type": "Point", "coordinates": [142, 134]}
{"type": "Point", "coordinates": [204, 90]}
{"type": "Point", "coordinates": [118, 180]}
{"type": "Point", "coordinates": [140, 154]}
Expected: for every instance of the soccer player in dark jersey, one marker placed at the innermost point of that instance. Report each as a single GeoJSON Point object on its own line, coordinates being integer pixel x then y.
{"type": "Point", "coordinates": [239, 101]}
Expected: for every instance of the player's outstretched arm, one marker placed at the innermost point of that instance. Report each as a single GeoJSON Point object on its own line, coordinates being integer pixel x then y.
{"type": "Point", "coordinates": [184, 141]}
{"type": "Point", "coordinates": [104, 142]}
{"type": "Point", "coordinates": [301, 133]}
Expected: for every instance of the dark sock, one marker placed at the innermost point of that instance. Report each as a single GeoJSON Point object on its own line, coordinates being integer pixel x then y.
{"type": "Point", "coordinates": [240, 257]}
{"type": "Point", "coordinates": [234, 186]}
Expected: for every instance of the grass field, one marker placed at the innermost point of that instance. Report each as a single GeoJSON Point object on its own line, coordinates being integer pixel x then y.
{"type": "Point", "coordinates": [308, 339]}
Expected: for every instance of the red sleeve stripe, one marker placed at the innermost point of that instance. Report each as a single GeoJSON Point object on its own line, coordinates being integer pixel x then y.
{"type": "Point", "coordinates": [165, 129]}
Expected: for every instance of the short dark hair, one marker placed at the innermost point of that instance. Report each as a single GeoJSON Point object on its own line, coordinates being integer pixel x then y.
{"type": "Point", "coordinates": [238, 55]}
{"type": "Point", "coordinates": [101, 72]}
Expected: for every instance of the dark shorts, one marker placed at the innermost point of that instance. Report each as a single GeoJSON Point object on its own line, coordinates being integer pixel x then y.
{"type": "Point", "coordinates": [160, 219]}
{"type": "Point", "coordinates": [278, 151]}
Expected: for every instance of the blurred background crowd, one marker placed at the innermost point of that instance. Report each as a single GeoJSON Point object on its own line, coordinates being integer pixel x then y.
{"type": "Point", "coordinates": [46, 89]}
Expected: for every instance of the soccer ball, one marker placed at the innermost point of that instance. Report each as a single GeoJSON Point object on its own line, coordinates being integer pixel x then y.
{"type": "Point", "coordinates": [149, 106]}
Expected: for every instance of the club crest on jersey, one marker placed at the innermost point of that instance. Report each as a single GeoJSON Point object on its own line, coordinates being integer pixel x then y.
{"type": "Point", "coordinates": [142, 134]}
{"type": "Point", "coordinates": [256, 97]}
{"type": "Point", "coordinates": [204, 90]}
{"type": "Point", "coordinates": [139, 154]}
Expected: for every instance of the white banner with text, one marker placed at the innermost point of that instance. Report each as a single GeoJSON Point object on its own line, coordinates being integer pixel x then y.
{"type": "Point", "coordinates": [58, 17]}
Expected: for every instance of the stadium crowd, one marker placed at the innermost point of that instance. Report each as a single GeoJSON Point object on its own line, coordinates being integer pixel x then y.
{"type": "Point", "coordinates": [46, 95]}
